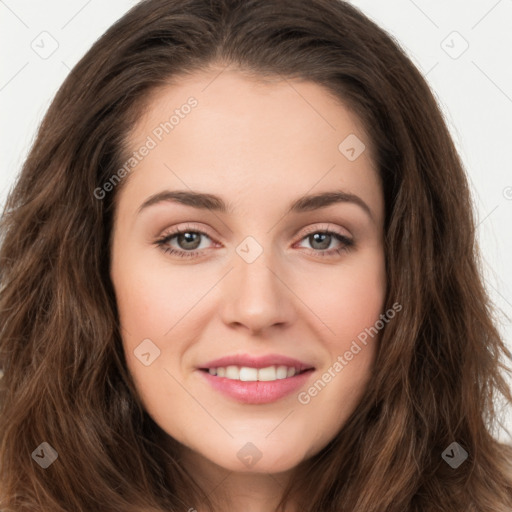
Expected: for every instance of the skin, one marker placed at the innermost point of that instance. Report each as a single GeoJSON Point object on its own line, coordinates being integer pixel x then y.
{"type": "Point", "coordinates": [259, 146]}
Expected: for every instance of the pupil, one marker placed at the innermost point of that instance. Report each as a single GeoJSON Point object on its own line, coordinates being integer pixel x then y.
{"type": "Point", "coordinates": [188, 243]}
{"type": "Point", "coordinates": [322, 243]}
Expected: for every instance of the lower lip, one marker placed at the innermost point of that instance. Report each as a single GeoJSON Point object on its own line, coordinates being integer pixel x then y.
{"type": "Point", "coordinates": [257, 392]}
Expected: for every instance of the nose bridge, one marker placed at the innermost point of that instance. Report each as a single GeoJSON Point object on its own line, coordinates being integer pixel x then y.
{"type": "Point", "coordinates": [257, 296]}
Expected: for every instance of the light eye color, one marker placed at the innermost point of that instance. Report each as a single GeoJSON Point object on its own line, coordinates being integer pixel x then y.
{"type": "Point", "coordinates": [164, 242]}
{"type": "Point", "coordinates": [331, 236]}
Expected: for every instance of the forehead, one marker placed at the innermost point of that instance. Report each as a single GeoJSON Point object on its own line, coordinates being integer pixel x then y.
{"type": "Point", "coordinates": [233, 99]}
{"type": "Point", "coordinates": [251, 138]}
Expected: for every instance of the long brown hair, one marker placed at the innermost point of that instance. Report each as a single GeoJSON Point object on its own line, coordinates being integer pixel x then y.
{"type": "Point", "coordinates": [439, 369]}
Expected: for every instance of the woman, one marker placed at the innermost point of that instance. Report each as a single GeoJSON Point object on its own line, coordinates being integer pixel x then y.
{"type": "Point", "coordinates": [172, 336]}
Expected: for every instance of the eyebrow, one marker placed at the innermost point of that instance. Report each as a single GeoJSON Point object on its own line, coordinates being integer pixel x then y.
{"type": "Point", "coordinates": [212, 202]}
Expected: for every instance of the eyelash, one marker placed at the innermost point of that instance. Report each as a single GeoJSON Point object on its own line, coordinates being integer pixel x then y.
{"type": "Point", "coordinates": [348, 243]}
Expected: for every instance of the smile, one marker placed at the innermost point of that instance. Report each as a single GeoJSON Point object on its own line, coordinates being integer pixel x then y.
{"type": "Point", "coordinates": [249, 374]}
{"type": "Point", "coordinates": [256, 391]}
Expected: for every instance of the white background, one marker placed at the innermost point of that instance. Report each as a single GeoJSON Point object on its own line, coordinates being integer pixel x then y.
{"type": "Point", "coordinates": [474, 88]}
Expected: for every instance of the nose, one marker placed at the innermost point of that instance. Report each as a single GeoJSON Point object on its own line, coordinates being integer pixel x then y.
{"type": "Point", "coordinates": [256, 295]}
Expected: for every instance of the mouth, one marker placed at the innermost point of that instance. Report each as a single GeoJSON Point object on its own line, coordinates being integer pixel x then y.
{"type": "Point", "coordinates": [251, 374]}
{"type": "Point", "coordinates": [252, 380]}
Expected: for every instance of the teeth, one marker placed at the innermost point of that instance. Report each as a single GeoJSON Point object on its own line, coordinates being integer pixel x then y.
{"type": "Point", "coordinates": [267, 374]}
{"type": "Point", "coordinates": [281, 372]}
{"type": "Point", "coordinates": [232, 372]}
{"type": "Point", "coordinates": [248, 374]}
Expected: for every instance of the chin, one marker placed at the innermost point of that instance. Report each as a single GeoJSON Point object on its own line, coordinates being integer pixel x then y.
{"type": "Point", "coordinates": [250, 459]}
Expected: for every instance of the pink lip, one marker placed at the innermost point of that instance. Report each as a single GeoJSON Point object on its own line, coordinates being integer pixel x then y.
{"type": "Point", "coordinates": [257, 362]}
{"type": "Point", "coordinates": [257, 392]}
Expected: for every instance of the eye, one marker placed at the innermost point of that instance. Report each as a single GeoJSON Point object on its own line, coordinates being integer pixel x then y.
{"type": "Point", "coordinates": [321, 239]}
{"type": "Point", "coordinates": [188, 241]}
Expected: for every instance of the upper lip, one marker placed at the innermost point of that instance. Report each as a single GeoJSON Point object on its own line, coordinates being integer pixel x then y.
{"type": "Point", "coordinates": [257, 362]}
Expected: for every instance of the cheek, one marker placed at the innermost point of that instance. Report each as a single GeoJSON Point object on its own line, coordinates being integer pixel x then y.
{"type": "Point", "coordinates": [150, 304]}
{"type": "Point", "coordinates": [162, 306]}
{"type": "Point", "coordinates": [151, 300]}
{"type": "Point", "coordinates": [350, 305]}
{"type": "Point", "coordinates": [349, 299]}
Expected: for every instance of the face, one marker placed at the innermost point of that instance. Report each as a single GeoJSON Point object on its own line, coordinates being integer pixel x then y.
{"type": "Point", "coordinates": [241, 332]}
